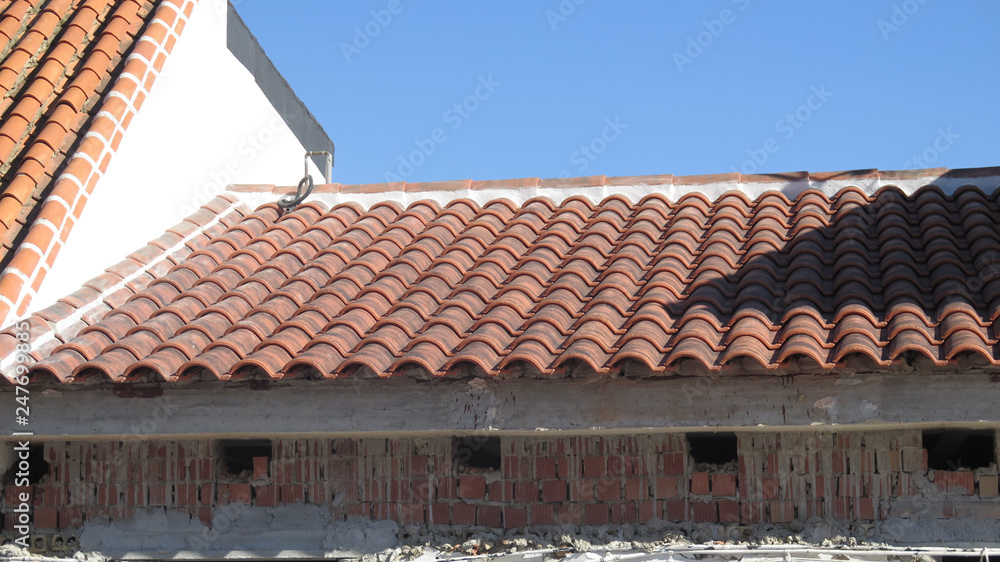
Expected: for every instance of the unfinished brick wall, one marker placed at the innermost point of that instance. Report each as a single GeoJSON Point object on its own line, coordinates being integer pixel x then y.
{"type": "Point", "coordinates": [855, 476]}
{"type": "Point", "coordinates": [588, 480]}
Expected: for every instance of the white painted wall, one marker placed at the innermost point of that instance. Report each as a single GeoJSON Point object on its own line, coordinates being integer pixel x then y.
{"type": "Point", "coordinates": [205, 124]}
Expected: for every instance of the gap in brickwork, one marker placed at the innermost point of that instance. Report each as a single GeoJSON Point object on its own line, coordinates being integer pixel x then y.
{"type": "Point", "coordinates": [712, 448]}
{"type": "Point", "coordinates": [37, 469]}
{"type": "Point", "coordinates": [238, 455]}
{"type": "Point", "coordinates": [476, 453]}
{"type": "Point", "coordinates": [954, 449]}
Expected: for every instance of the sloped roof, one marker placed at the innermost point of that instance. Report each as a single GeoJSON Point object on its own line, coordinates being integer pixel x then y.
{"type": "Point", "coordinates": [73, 74]}
{"type": "Point", "coordinates": [550, 287]}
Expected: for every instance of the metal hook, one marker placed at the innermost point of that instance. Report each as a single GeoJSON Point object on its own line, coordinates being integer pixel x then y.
{"type": "Point", "coordinates": [290, 201]}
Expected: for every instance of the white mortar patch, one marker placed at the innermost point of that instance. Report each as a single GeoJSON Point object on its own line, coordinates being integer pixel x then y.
{"type": "Point", "coordinates": [635, 193]}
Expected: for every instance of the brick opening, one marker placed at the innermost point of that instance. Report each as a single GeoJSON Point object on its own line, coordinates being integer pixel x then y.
{"type": "Point", "coordinates": [37, 467]}
{"type": "Point", "coordinates": [712, 448]}
{"type": "Point", "coordinates": [954, 449]}
{"type": "Point", "coordinates": [477, 452]}
{"type": "Point", "coordinates": [237, 456]}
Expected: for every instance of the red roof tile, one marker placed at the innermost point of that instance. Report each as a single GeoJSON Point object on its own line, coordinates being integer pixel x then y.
{"type": "Point", "coordinates": [884, 281]}
{"type": "Point", "coordinates": [72, 73]}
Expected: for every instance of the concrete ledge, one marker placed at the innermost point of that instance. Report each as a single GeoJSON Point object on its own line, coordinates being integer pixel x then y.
{"type": "Point", "coordinates": [518, 406]}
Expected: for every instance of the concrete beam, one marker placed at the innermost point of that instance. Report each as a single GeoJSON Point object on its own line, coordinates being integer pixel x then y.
{"type": "Point", "coordinates": [514, 406]}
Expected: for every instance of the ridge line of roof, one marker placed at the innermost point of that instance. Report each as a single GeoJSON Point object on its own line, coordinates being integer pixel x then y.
{"type": "Point", "coordinates": [94, 149]}
{"type": "Point", "coordinates": [597, 188]}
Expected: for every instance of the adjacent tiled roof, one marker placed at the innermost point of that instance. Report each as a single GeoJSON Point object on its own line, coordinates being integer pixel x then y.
{"type": "Point", "coordinates": [73, 73]}
{"type": "Point", "coordinates": [555, 287]}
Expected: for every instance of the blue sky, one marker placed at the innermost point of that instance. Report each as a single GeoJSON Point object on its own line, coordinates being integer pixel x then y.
{"type": "Point", "coordinates": [427, 91]}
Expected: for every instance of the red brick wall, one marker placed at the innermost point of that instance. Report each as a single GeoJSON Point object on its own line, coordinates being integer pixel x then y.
{"type": "Point", "coordinates": [582, 480]}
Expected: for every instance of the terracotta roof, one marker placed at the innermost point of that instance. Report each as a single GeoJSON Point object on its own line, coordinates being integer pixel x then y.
{"type": "Point", "coordinates": [73, 74]}
{"type": "Point", "coordinates": [657, 286]}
